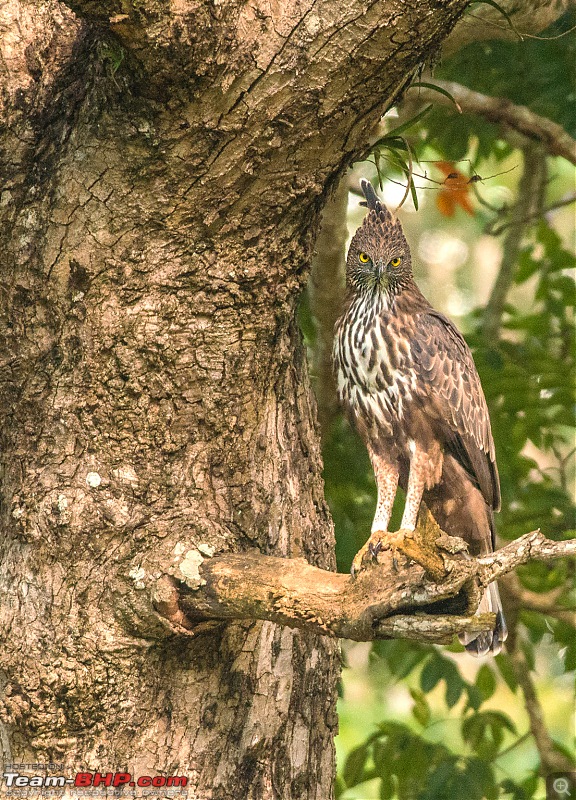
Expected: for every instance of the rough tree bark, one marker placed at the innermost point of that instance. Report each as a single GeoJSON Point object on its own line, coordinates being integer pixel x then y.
{"type": "Point", "coordinates": [163, 169]}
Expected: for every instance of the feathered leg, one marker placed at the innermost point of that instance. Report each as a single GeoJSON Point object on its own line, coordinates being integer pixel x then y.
{"type": "Point", "coordinates": [387, 483]}
{"type": "Point", "coordinates": [386, 476]}
{"type": "Point", "coordinates": [425, 472]}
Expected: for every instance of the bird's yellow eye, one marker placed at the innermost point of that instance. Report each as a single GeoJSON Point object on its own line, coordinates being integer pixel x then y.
{"type": "Point", "coordinates": [363, 257]}
{"type": "Point", "coordinates": [396, 262]}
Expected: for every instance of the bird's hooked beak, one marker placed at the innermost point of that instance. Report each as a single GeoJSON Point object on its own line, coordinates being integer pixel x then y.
{"type": "Point", "coordinates": [381, 274]}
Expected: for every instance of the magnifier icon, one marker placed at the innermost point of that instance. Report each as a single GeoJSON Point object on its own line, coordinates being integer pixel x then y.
{"type": "Point", "coordinates": [562, 787]}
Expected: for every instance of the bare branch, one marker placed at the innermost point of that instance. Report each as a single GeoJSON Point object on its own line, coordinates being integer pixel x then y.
{"type": "Point", "coordinates": [498, 229]}
{"type": "Point", "coordinates": [386, 600]}
{"type": "Point", "coordinates": [434, 629]}
{"type": "Point", "coordinates": [529, 199]}
{"type": "Point", "coordinates": [500, 110]}
{"type": "Point", "coordinates": [530, 547]}
{"type": "Point", "coordinates": [551, 759]}
{"type": "Point", "coordinates": [544, 603]}
{"type": "Point", "coordinates": [486, 22]}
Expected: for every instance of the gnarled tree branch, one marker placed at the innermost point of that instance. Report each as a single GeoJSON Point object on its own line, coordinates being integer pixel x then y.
{"type": "Point", "coordinates": [387, 600]}
{"type": "Point", "coordinates": [502, 111]}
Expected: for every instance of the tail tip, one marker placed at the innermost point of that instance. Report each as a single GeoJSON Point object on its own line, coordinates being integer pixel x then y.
{"type": "Point", "coordinates": [487, 642]}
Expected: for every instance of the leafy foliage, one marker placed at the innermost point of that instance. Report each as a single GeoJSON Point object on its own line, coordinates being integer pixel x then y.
{"type": "Point", "coordinates": [395, 150]}
{"type": "Point", "coordinates": [411, 766]}
{"type": "Point", "coordinates": [528, 380]}
{"type": "Point", "coordinates": [537, 73]}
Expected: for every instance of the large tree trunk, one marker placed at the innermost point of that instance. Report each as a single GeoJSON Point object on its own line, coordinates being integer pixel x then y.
{"type": "Point", "coordinates": [163, 172]}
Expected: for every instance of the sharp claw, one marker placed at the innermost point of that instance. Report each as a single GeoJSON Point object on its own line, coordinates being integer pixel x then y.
{"type": "Point", "coordinates": [371, 548]}
{"type": "Point", "coordinates": [374, 549]}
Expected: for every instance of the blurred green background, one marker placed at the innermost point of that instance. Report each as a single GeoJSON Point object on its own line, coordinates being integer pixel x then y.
{"type": "Point", "coordinates": [430, 723]}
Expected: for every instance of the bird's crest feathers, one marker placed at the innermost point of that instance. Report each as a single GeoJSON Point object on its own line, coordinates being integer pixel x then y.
{"type": "Point", "coordinates": [372, 200]}
{"type": "Point", "coordinates": [374, 204]}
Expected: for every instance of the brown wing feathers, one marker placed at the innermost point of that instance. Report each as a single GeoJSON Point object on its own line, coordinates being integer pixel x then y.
{"type": "Point", "coordinates": [448, 374]}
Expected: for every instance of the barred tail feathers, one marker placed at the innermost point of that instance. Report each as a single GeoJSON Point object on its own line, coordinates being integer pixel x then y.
{"type": "Point", "coordinates": [487, 642]}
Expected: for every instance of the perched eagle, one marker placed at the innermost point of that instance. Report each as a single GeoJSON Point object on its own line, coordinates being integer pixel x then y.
{"type": "Point", "coordinates": [407, 381]}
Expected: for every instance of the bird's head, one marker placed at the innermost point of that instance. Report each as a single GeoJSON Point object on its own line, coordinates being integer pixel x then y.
{"type": "Point", "coordinates": [379, 257]}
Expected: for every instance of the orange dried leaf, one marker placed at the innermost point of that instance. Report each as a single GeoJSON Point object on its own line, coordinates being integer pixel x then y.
{"type": "Point", "coordinates": [455, 191]}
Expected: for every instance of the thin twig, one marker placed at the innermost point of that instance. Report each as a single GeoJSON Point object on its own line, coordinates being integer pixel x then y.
{"type": "Point", "coordinates": [513, 746]}
{"type": "Point", "coordinates": [545, 603]}
{"type": "Point", "coordinates": [487, 23]}
{"type": "Point", "coordinates": [496, 231]}
{"type": "Point", "coordinates": [531, 547]}
{"type": "Point", "coordinates": [522, 34]}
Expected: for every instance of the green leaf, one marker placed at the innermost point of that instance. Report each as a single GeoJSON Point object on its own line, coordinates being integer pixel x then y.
{"type": "Point", "coordinates": [420, 709]}
{"type": "Point", "coordinates": [484, 732]}
{"type": "Point", "coordinates": [499, 8]}
{"type": "Point", "coordinates": [481, 777]}
{"type": "Point", "coordinates": [486, 682]}
{"type": "Point", "coordinates": [504, 664]}
{"type": "Point", "coordinates": [454, 682]}
{"type": "Point", "coordinates": [445, 782]}
{"type": "Point", "coordinates": [473, 730]}
{"type": "Point", "coordinates": [393, 143]}
{"type": "Point", "coordinates": [386, 791]}
{"type": "Point", "coordinates": [353, 772]}
{"type": "Point", "coordinates": [501, 719]}
{"type": "Point", "coordinates": [394, 158]}
{"type": "Point", "coordinates": [432, 673]}
{"type": "Point", "coordinates": [382, 755]}
{"type": "Point", "coordinates": [401, 657]}
{"type": "Point", "coordinates": [530, 785]}
{"type": "Point", "coordinates": [564, 634]}
{"type": "Point", "coordinates": [529, 652]}
{"type": "Point", "coordinates": [410, 180]}
{"type": "Point", "coordinates": [408, 124]}
{"type": "Point", "coordinates": [527, 266]}
{"type": "Point", "coordinates": [454, 688]}
{"type": "Point", "coordinates": [475, 698]}
{"type": "Point", "coordinates": [438, 89]}
{"type": "Point", "coordinates": [414, 194]}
